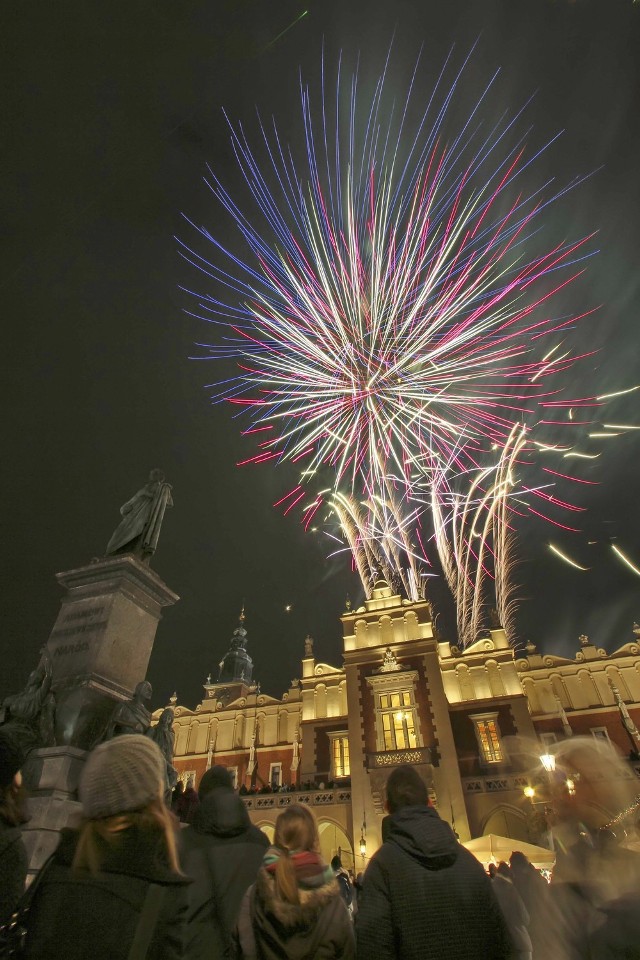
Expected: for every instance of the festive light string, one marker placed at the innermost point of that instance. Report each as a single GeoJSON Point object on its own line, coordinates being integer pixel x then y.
{"type": "Point", "coordinates": [623, 814]}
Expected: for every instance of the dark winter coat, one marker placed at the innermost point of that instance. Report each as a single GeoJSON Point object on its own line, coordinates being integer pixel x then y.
{"type": "Point", "coordinates": [79, 915]}
{"type": "Point", "coordinates": [619, 936]}
{"type": "Point", "coordinates": [222, 852]}
{"type": "Point", "coordinates": [515, 914]}
{"type": "Point", "coordinates": [318, 928]}
{"type": "Point", "coordinates": [13, 868]}
{"type": "Point", "coordinates": [425, 897]}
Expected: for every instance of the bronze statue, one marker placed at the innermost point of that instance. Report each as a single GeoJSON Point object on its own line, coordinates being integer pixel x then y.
{"type": "Point", "coordinates": [139, 529]}
{"type": "Point", "coordinates": [163, 735]}
{"type": "Point", "coordinates": [132, 716]}
{"type": "Point", "coordinates": [30, 715]}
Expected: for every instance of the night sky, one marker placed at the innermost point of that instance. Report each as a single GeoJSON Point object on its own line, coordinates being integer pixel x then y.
{"type": "Point", "coordinates": [110, 116]}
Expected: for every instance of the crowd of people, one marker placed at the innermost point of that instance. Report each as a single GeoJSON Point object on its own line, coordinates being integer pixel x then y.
{"type": "Point", "coordinates": [133, 882]}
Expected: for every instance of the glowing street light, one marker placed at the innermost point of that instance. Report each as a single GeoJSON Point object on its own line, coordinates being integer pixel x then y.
{"type": "Point", "coordinates": [548, 761]}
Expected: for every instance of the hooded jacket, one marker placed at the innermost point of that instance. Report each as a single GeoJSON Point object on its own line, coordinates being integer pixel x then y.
{"type": "Point", "coordinates": [425, 897]}
{"type": "Point", "coordinates": [318, 928]}
{"type": "Point", "coordinates": [222, 852]}
{"type": "Point", "coordinates": [76, 915]}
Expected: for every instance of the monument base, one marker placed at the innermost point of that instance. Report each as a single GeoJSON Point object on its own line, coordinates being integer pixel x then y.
{"type": "Point", "coordinates": [51, 776]}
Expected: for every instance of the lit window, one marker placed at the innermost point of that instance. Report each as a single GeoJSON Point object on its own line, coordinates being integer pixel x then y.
{"type": "Point", "coordinates": [488, 734]}
{"type": "Point", "coordinates": [340, 757]}
{"type": "Point", "coordinates": [600, 733]}
{"type": "Point", "coordinates": [396, 713]}
{"type": "Point", "coordinates": [398, 721]}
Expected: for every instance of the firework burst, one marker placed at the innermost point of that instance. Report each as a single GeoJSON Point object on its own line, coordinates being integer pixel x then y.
{"type": "Point", "coordinates": [388, 318]}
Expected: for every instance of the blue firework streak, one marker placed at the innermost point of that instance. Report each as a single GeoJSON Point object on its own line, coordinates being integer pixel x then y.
{"type": "Point", "coordinates": [388, 321]}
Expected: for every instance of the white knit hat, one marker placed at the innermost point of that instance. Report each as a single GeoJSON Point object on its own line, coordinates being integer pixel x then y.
{"type": "Point", "coordinates": [122, 774]}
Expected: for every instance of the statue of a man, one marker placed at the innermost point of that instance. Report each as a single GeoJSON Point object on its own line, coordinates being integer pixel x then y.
{"type": "Point", "coordinates": [163, 735]}
{"type": "Point", "coordinates": [30, 714]}
{"type": "Point", "coordinates": [132, 716]}
{"type": "Point", "coordinates": [139, 529]}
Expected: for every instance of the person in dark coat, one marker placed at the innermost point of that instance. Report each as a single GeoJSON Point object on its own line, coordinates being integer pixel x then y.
{"type": "Point", "coordinates": [222, 851]}
{"type": "Point", "coordinates": [13, 813]}
{"type": "Point", "coordinates": [514, 912]}
{"type": "Point", "coordinates": [424, 896]}
{"type": "Point", "coordinates": [534, 890]}
{"type": "Point", "coordinates": [295, 911]}
{"type": "Point", "coordinates": [119, 872]}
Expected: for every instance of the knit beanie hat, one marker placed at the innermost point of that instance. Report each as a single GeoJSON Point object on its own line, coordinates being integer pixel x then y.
{"type": "Point", "coordinates": [214, 779]}
{"type": "Point", "coordinates": [11, 759]}
{"type": "Point", "coordinates": [123, 774]}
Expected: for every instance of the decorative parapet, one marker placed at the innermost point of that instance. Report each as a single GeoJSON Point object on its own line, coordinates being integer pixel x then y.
{"type": "Point", "coordinates": [494, 784]}
{"type": "Point", "coordinates": [270, 801]}
{"type": "Point", "coordinates": [393, 758]}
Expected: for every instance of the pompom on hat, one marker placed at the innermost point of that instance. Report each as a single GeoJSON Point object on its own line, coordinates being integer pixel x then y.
{"type": "Point", "coordinates": [11, 759]}
{"type": "Point", "coordinates": [123, 774]}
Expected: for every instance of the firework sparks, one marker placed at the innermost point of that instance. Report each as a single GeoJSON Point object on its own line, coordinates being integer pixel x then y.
{"type": "Point", "coordinates": [572, 563]}
{"type": "Point", "coordinates": [618, 552]}
{"type": "Point", "coordinates": [386, 326]}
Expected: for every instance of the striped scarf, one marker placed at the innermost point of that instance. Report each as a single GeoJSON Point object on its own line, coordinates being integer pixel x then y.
{"type": "Point", "coordinates": [308, 865]}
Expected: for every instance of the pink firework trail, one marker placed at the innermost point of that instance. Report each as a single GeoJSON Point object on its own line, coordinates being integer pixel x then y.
{"type": "Point", "coordinates": [390, 314]}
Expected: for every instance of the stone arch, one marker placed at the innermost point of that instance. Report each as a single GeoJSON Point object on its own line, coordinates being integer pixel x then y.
{"type": "Point", "coordinates": [182, 737]}
{"type": "Point", "coordinates": [343, 698]}
{"type": "Point", "coordinates": [496, 684]}
{"type": "Point", "coordinates": [559, 690]}
{"type": "Point", "coordinates": [321, 700]}
{"type": "Point", "coordinates": [360, 630]}
{"type": "Point", "coordinates": [412, 627]}
{"type": "Point", "coordinates": [267, 827]}
{"type": "Point", "coordinates": [592, 697]}
{"type": "Point", "coordinates": [614, 674]}
{"type": "Point", "coordinates": [386, 630]}
{"type": "Point", "coordinates": [193, 737]}
{"type": "Point", "coordinates": [283, 727]}
{"type": "Point", "coordinates": [466, 684]}
{"type": "Point", "coordinates": [531, 693]}
{"type": "Point", "coordinates": [506, 820]}
{"type": "Point", "coordinates": [239, 731]}
{"type": "Point", "coordinates": [335, 841]}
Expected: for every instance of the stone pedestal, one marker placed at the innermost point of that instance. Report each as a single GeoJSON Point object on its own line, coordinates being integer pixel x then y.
{"type": "Point", "coordinates": [99, 648]}
{"type": "Point", "coordinates": [101, 642]}
{"type": "Point", "coordinates": [51, 776]}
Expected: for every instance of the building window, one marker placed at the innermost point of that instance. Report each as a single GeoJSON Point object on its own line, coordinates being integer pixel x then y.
{"type": "Point", "coordinates": [600, 733]}
{"type": "Point", "coordinates": [275, 775]}
{"type": "Point", "coordinates": [398, 720]}
{"type": "Point", "coordinates": [396, 712]}
{"type": "Point", "coordinates": [488, 734]}
{"type": "Point", "coordinates": [340, 766]}
{"type": "Point", "coordinates": [548, 739]}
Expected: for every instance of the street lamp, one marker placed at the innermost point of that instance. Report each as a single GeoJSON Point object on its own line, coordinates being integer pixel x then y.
{"type": "Point", "coordinates": [548, 761]}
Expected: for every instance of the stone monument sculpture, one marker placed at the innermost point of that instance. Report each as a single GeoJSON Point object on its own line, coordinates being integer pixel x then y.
{"type": "Point", "coordinates": [132, 716]}
{"type": "Point", "coordinates": [29, 716]}
{"type": "Point", "coordinates": [142, 516]}
{"type": "Point", "coordinates": [87, 684]}
{"type": "Point", "coordinates": [164, 736]}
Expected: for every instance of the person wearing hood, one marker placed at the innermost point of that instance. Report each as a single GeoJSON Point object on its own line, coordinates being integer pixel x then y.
{"type": "Point", "coordinates": [424, 896]}
{"type": "Point", "coordinates": [295, 910]}
{"type": "Point", "coordinates": [221, 851]}
{"type": "Point", "coordinates": [13, 813]}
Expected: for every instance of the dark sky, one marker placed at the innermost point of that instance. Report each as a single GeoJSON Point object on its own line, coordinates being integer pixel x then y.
{"type": "Point", "coordinates": [109, 116]}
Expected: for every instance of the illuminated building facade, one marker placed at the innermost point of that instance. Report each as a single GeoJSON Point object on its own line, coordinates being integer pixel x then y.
{"type": "Point", "coordinates": [472, 722]}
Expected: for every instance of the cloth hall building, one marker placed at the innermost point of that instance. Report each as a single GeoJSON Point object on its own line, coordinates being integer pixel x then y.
{"type": "Point", "coordinates": [473, 722]}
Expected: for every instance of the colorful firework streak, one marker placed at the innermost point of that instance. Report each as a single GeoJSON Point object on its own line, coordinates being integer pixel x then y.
{"type": "Point", "coordinates": [392, 323]}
